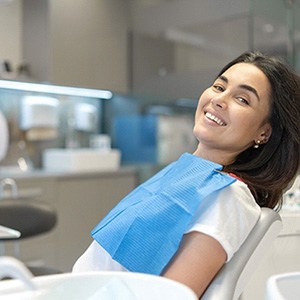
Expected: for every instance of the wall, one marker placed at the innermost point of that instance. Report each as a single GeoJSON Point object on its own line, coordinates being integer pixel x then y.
{"type": "Point", "coordinates": [198, 38]}
{"type": "Point", "coordinates": [70, 42]}
{"type": "Point", "coordinates": [89, 43]}
{"type": "Point", "coordinates": [36, 38]}
{"type": "Point", "coordinates": [10, 32]}
{"type": "Point", "coordinates": [77, 42]}
{"type": "Point", "coordinates": [85, 43]}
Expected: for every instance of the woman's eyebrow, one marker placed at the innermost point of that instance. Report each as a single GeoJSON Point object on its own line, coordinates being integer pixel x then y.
{"type": "Point", "coordinates": [250, 89]}
{"type": "Point", "coordinates": [243, 86]}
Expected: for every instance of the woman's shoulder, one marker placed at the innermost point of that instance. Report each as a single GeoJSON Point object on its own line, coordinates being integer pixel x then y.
{"type": "Point", "coordinates": [228, 216]}
{"type": "Point", "coordinates": [240, 195]}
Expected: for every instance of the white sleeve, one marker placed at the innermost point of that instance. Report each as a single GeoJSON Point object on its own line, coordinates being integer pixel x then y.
{"type": "Point", "coordinates": [95, 258]}
{"type": "Point", "coordinates": [228, 216]}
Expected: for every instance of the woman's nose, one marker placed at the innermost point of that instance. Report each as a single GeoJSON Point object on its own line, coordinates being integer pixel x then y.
{"type": "Point", "coordinates": [219, 102]}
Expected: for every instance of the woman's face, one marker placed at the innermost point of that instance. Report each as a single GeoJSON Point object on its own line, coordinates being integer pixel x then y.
{"type": "Point", "coordinates": [232, 114]}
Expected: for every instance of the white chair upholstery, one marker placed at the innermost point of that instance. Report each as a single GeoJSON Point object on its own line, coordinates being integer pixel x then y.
{"type": "Point", "coordinates": [283, 287]}
{"type": "Point", "coordinates": [231, 280]}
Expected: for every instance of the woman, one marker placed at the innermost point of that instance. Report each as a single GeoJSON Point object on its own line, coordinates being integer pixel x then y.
{"type": "Point", "coordinates": [247, 125]}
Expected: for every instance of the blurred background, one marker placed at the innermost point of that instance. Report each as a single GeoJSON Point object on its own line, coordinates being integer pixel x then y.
{"type": "Point", "coordinates": [155, 56]}
{"type": "Point", "coordinates": [98, 95]}
{"type": "Point", "coordinates": [142, 46]}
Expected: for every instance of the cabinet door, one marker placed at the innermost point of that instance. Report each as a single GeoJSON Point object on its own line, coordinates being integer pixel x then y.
{"type": "Point", "coordinates": [82, 203]}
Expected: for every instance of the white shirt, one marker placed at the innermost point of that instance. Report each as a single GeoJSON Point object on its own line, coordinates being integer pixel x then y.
{"type": "Point", "coordinates": [227, 215]}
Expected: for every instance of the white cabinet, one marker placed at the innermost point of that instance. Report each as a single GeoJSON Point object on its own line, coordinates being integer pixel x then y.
{"type": "Point", "coordinates": [81, 201]}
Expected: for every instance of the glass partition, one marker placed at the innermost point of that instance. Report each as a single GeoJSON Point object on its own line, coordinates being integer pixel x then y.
{"type": "Point", "coordinates": [41, 116]}
{"type": "Point", "coordinates": [276, 28]}
{"type": "Point", "coordinates": [179, 46]}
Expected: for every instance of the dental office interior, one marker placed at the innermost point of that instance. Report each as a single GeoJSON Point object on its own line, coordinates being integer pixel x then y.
{"type": "Point", "coordinates": [96, 96]}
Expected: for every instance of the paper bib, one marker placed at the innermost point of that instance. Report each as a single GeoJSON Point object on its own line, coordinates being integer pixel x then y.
{"type": "Point", "coordinates": [144, 230]}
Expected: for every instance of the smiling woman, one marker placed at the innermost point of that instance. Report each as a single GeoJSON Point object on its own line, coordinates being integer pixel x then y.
{"type": "Point", "coordinates": [269, 166]}
{"type": "Point", "coordinates": [233, 114]}
{"type": "Point", "coordinates": [188, 220]}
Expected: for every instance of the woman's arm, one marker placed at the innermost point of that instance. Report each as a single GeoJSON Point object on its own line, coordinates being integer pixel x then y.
{"type": "Point", "coordinates": [197, 261]}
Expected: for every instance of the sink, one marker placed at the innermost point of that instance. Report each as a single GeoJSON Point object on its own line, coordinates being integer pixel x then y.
{"type": "Point", "coordinates": [82, 159]}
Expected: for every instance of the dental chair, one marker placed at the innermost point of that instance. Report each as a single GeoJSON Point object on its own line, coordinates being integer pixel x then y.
{"type": "Point", "coordinates": [231, 280]}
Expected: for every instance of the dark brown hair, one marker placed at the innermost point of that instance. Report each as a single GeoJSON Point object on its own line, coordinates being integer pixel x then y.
{"type": "Point", "coordinates": [269, 169]}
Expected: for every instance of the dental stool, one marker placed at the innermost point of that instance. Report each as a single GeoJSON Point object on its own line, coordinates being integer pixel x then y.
{"type": "Point", "coordinates": [31, 218]}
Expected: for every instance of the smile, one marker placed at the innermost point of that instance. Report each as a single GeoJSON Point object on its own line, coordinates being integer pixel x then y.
{"type": "Point", "coordinates": [215, 119]}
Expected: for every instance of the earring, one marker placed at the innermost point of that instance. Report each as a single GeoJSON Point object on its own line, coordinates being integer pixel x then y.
{"type": "Point", "coordinates": [256, 146]}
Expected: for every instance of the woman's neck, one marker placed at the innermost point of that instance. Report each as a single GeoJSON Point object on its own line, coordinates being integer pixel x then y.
{"type": "Point", "coordinates": [216, 155]}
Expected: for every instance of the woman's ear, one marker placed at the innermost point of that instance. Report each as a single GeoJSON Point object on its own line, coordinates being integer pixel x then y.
{"type": "Point", "coordinates": [266, 133]}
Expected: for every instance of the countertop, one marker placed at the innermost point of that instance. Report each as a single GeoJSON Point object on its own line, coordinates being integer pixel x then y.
{"type": "Point", "coordinates": [40, 173]}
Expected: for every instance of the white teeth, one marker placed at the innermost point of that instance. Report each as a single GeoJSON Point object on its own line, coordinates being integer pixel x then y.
{"type": "Point", "coordinates": [215, 119]}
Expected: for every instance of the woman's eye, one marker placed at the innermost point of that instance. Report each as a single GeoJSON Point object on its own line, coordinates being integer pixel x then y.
{"type": "Point", "coordinates": [243, 100]}
{"type": "Point", "coordinates": [218, 88]}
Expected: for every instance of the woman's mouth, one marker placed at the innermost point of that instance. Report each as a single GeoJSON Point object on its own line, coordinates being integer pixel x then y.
{"type": "Point", "coordinates": [215, 119]}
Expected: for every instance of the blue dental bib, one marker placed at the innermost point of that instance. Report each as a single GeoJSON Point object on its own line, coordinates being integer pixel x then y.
{"type": "Point", "coordinates": [144, 230]}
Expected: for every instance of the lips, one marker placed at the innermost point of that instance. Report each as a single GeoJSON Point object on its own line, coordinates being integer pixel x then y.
{"type": "Point", "coordinates": [215, 119]}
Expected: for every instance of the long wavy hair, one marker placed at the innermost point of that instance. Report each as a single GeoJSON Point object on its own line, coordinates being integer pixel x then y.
{"type": "Point", "coordinates": [270, 169]}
